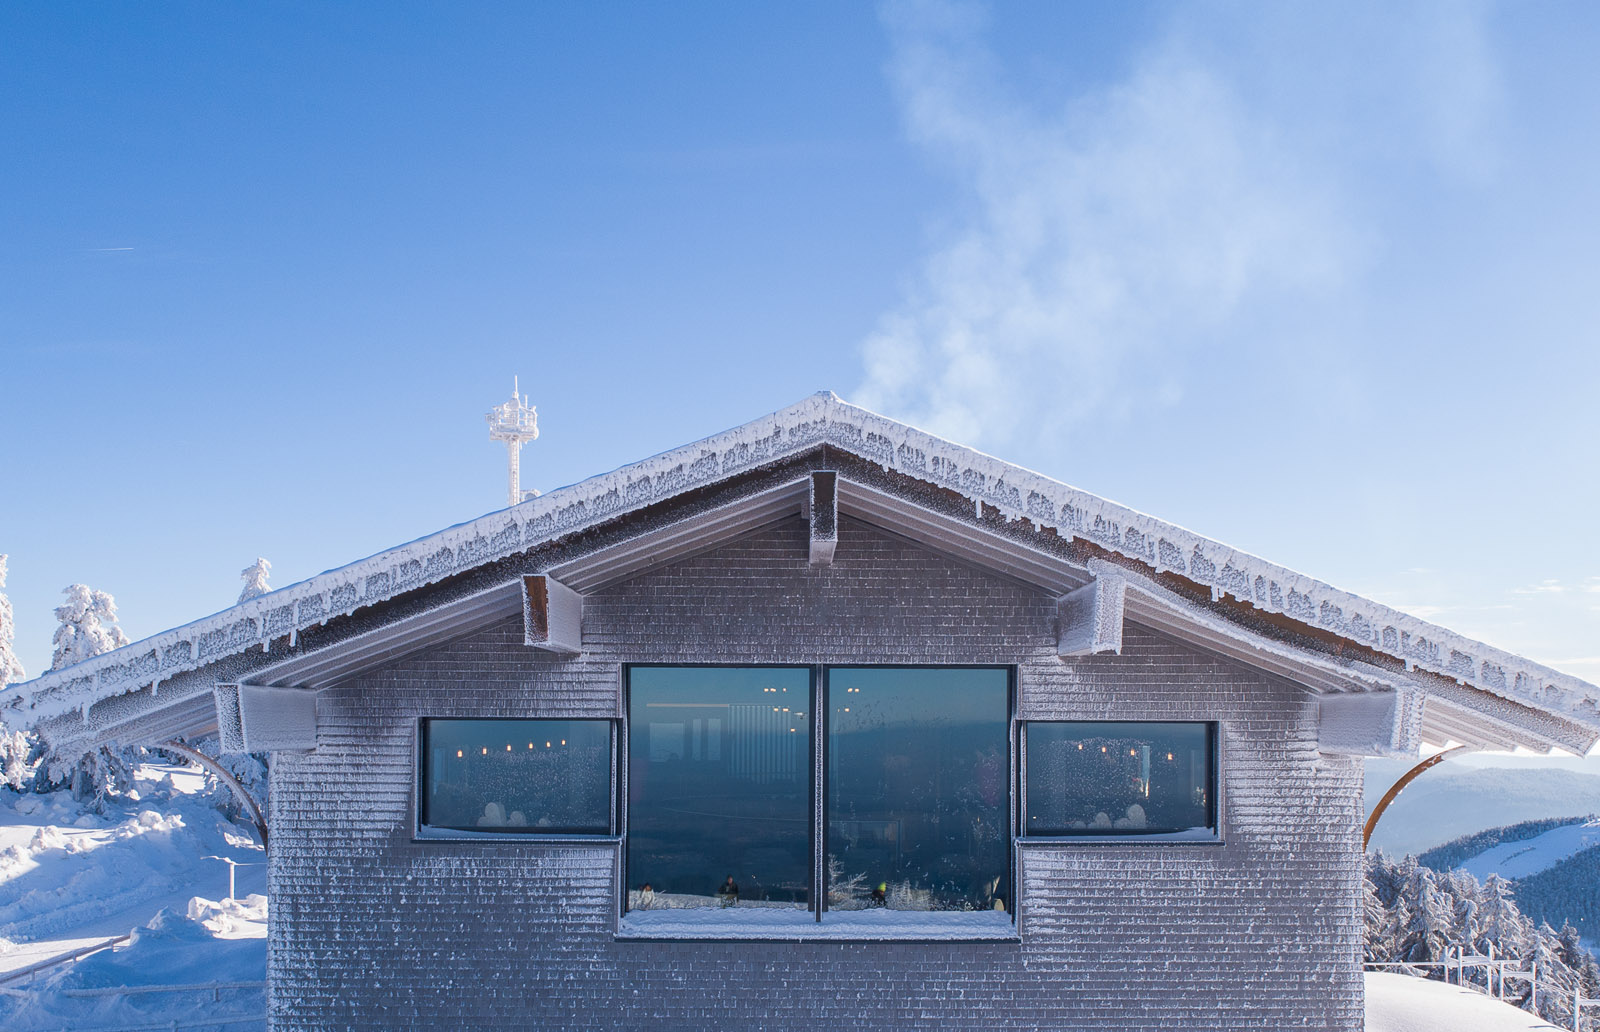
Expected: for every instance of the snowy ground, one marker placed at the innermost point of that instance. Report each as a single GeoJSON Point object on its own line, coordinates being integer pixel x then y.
{"type": "Point", "coordinates": [70, 878]}
{"type": "Point", "coordinates": [1401, 1003]}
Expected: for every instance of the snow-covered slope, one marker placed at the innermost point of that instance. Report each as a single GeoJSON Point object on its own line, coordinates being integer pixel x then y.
{"type": "Point", "coordinates": [68, 872]}
{"type": "Point", "coordinates": [212, 942]}
{"type": "Point", "coordinates": [1519, 859]}
{"type": "Point", "coordinates": [72, 878]}
{"type": "Point", "coordinates": [1400, 1003]}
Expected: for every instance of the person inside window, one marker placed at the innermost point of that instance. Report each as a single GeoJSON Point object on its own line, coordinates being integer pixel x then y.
{"type": "Point", "coordinates": [647, 896]}
{"type": "Point", "coordinates": [729, 892]}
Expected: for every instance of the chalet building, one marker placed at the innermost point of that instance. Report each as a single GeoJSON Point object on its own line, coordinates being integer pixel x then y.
{"type": "Point", "coordinates": [822, 722]}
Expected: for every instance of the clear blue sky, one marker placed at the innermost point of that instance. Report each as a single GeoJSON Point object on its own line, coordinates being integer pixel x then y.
{"type": "Point", "coordinates": [1324, 284]}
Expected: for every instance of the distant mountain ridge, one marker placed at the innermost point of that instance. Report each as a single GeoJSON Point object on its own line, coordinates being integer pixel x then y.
{"type": "Point", "coordinates": [1447, 803]}
{"type": "Point", "coordinates": [1455, 854]}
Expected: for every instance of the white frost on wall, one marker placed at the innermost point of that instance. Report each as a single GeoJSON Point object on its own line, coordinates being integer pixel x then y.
{"type": "Point", "coordinates": [1014, 492]}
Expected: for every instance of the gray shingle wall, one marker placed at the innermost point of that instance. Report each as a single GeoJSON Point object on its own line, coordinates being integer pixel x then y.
{"type": "Point", "coordinates": [372, 930]}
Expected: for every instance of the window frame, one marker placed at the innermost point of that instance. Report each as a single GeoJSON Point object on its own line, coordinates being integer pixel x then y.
{"type": "Point", "coordinates": [620, 758]}
{"type": "Point", "coordinates": [1216, 730]}
{"type": "Point", "coordinates": [819, 702]}
{"type": "Point", "coordinates": [421, 832]}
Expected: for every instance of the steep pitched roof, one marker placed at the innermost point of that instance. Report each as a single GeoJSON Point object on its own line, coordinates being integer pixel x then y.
{"type": "Point", "coordinates": [822, 419]}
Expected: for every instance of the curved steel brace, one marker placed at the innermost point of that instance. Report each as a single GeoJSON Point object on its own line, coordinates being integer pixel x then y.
{"type": "Point", "coordinates": [1394, 790]}
{"type": "Point", "coordinates": [212, 767]}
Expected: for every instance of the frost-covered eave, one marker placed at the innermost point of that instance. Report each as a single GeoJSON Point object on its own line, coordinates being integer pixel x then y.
{"type": "Point", "coordinates": [1437, 711]}
{"type": "Point", "coordinates": [821, 419]}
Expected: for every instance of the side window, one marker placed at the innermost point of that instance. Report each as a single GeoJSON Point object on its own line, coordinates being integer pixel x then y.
{"type": "Point", "coordinates": [1120, 778]}
{"type": "Point", "coordinates": [531, 777]}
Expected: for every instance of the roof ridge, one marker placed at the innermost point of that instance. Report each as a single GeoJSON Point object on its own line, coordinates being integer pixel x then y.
{"type": "Point", "coordinates": [821, 418]}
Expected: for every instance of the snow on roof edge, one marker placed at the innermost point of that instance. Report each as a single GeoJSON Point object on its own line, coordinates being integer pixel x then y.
{"type": "Point", "coordinates": [822, 418]}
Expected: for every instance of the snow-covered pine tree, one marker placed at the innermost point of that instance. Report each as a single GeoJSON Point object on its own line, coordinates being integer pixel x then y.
{"type": "Point", "coordinates": [1376, 940]}
{"type": "Point", "coordinates": [1500, 922]}
{"type": "Point", "coordinates": [1430, 930]}
{"type": "Point", "coordinates": [10, 667]}
{"type": "Point", "coordinates": [88, 626]}
{"type": "Point", "coordinates": [255, 579]}
{"type": "Point", "coordinates": [14, 745]}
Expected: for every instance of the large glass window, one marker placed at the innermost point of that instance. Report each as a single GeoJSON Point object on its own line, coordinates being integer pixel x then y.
{"type": "Point", "coordinates": [1088, 778]}
{"type": "Point", "coordinates": [918, 784]}
{"type": "Point", "coordinates": [529, 776]}
{"type": "Point", "coordinates": [719, 787]}
{"type": "Point", "coordinates": [722, 768]}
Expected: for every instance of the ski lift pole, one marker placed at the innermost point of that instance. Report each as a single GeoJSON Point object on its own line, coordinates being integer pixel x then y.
{"type": "Point", "coordinates": [233, 865]}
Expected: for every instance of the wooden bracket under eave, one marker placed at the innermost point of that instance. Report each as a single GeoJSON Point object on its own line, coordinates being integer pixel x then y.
{"type": "Point", "coordinates": [255, 718]}
{"type": "Point", "coordinates": [552, 615]}
{"type": "Point", "coordinates": [1370, 723]}
{"type": "Point", "coordinates": [823, 512]}
{"type": "Point", "coordinates": [1091, 618]}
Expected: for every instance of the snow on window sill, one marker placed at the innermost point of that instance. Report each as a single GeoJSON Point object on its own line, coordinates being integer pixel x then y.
{"type": "Point", "coordinates": [521, 836]}
{"type": "Point", "coordinates": [1191, 837]}
{"type": "Point", "coordinates": [761, 923]}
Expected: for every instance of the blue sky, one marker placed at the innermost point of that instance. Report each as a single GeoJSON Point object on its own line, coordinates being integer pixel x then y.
{"type": "Point", "coordinates": [1317, 283]}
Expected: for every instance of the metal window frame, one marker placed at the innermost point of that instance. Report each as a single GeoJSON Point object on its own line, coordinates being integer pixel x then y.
{"type": "Point", "coordinates": [422, 832]}
{"type": "Point", "coordinates": [1216, 734]}
{"type": "Point", "coordinates": [818, 758]}
{"type": "Point", "coordinates": [621, 759]}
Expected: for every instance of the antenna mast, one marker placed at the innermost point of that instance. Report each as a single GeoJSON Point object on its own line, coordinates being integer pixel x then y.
{"type": "Point", "coordinates": [516, 423]}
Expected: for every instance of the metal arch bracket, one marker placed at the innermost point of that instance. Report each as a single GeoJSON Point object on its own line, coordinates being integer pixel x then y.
{"type": "Point", "coordinates": [1395, 789]}
{"type": "Point", "coordinates": [212, 767]}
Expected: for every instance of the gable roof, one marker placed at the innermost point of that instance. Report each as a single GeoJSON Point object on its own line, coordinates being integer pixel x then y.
{"type": "Point", "coordinates": [1150, 546]}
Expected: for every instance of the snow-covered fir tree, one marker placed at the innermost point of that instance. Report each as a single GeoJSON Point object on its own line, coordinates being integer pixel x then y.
{"type": "Point", "coordinates": [1418, 916]}
{"type": "Point", "coordinates": [255, 579]}
{"type": "Point", "coordinates": [88, 626]}
{"type": "Point", "coordinates": [15, 748]}
{"type": "Point", "coordinates": [10, 667]}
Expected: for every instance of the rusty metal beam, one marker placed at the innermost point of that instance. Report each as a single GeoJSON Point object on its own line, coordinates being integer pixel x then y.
{"type": "Point", "coordinates": [1395, 789]}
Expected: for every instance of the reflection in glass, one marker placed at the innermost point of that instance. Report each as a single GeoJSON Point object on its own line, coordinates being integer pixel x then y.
{"type": "Point", "coordinates": [917, 788]}
{"type": "Point", "coordinates": [719, 786]}
{"type": "Point", "coordinates": [551, 776]}
{"type": "Point", "coordinates": [1127, 778]}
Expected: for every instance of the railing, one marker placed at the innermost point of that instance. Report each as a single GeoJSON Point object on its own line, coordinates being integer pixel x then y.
{"type": "Point", "coordinates": [1496, 971]}
{"type": "Point", "coordinates": [61, 958]}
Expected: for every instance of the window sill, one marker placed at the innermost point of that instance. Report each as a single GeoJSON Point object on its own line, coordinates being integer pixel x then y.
{"type": "Point", "coordinates": [521, 838]}
{"type": "Point", "coordinates": [770, 925]}
{"type": "Point", "coordinates": [1176, 838]}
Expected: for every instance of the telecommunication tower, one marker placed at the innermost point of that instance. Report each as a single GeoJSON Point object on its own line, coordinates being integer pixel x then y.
{"type": "Point", "coordinates": [515, 422]}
